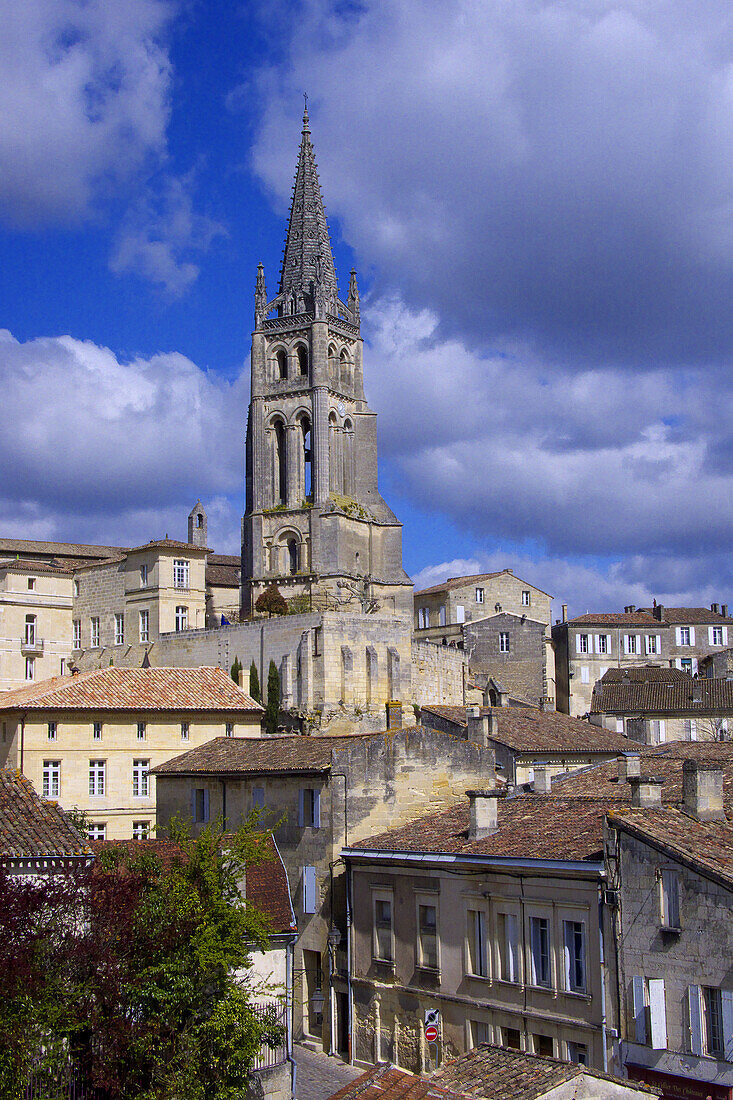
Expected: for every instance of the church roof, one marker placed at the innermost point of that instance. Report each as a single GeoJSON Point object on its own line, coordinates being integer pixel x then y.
{"type": "Point", "coordinates": [308, 253]}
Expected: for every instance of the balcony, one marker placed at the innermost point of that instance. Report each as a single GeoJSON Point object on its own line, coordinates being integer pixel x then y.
{"type": "Point", "coordinates": [31, 647]}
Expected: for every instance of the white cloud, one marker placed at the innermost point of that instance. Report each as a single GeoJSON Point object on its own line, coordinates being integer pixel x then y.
{"type": "Point", "coordinates": [101, 448]}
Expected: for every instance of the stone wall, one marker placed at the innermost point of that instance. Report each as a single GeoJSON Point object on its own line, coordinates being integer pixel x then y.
{"type": "Point", "coordinates": [438, 674]}
{"type": "Point", "coordinates": [520, 671]}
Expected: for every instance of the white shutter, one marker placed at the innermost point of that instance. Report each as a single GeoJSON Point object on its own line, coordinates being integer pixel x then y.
{"type": "Point", "coordinates": [710, 635]}
{"type": "Point", "coordinates": [692, 635]}
{"type": "Point", "coordinates": [567, 952]}
{"type": "Point", "coordinates": [695, 1008]}
{"type": "Point", "coordinates": [662, 731]}
{"type": "Point", "coordinates": [584, 674]}
{"type": "Point", "coordinates": [626, 643]}
{"type": "Point", "coordinates": [694, 665]}
{"type": "Point", "coordinates": [309, 889]}
{"type": "Point", "coordinates": [693, 729]}
{"type": "Point", "coordinates": [638, 1009]}
{"type": "Point", "coordinates": [659, 645]}
{"type": "Point", "coordinates": [725, 635]}
{"type": "Point", "coordinates": [658, 1013]}
{"type": "Point", "coordinates": [603, 671]}
{"type": "Point", "coordinates": [638, 644]}
{"type": "Point", "coordinates": [678, 635]}
{"type": "Point", "coordinates": [512, 946]}
{"type": "Point", "coordinates": [317, 809]}
{"type": "Point", "coordinates": [678, 662]}
{"type": "Point", "coordinates": [619, 725]}
{"type": "Point", "coordinates": [727, 999]}
{"type": "Point", "coordinates": [598, 643]}
{"type": "Point", "coordinates": [577, 643]}
{"type": "Point", "coordinates": [460, 613]}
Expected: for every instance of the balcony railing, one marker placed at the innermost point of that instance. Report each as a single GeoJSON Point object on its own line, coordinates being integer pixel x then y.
{"type": "Point", "coordinates": [31, 647]}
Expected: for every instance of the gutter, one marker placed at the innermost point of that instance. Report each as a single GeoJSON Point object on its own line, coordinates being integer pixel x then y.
{"type": "Point", "coordinates": [594, 866]}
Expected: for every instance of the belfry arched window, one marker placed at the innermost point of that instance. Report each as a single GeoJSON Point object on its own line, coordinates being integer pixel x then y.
{"type": "Point", "coordinates": [345, 369]}
{"type": "Point", "coordinates": [281, 361]}
{"type": "Point", "coordinates": [302, 360]}
{"type": "Point", "coordinates": [279, 463]}
{"type": "Point", "coordinates": [306, 486]}
{"type": "Point", "coordinates": [292, 556]}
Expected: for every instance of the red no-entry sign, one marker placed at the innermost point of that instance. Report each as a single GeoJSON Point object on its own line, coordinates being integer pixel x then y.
{"type": "Point", "coordinates": [431, 1033]}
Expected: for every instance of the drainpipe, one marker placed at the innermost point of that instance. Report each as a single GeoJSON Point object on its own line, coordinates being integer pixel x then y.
{"type": "Point", "coordinates": [22, 737]}
{"type": "Point", "coordinates": [604, 1030]}
{"type": "Point", "coordinates": [350, 992]}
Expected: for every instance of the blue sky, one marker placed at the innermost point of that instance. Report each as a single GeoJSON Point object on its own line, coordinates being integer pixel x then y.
{"type": "Point", "coordinates": [537, 196]}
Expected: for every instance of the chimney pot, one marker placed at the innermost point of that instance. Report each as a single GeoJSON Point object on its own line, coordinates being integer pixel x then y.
{"type": "Point", "coordinates": [629, 767]}
{"type": "Point", "coordinates": [702, 790]}
{"type": "Point", "coordinates": [715, 608]}
{"type": "Point", "coordinates": [659, 612]}
{"type": "Point", "coordinates": [478, 726]}
{"type": "Point", "coordinates": [542, 779]}
{"type": "Point", "coordinates": [724, 610]}
{"type": "Point", "coordinates": [630, 608]}
{"type": "Point", "coordinates": [646, 791]}
{"type": "Point", "coordinates": [483, 817]}
{"type": "Point", "coordinates": [564, 612]}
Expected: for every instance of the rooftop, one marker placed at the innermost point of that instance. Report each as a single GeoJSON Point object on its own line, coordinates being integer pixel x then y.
{"type": "Point", "coordinates": [57, 549]}
{"type": "Point", "coordinates": [707, 845]}
{"type": "Point", "coordinates": [641, 673]}
{"type": "Point", "coordinates": [528, 729]}
{"type": "Point", "coordinates": [691, 615]}
{"type": "Point", "coordinates": [459, 582]}
{"type": "Point", "coordinates": [686, 696]}
{"type": "Point", "coordinates": [32, 828]}
{"type": "Point", "coordinates": [255, 756]}
{"type": "Point", "coordinates": [222, 570]}
{"type": "Point", "coordinates": [135, 689]}
{"type": "Point", "coordinates": [169, 544]}
{"type": "Point", "coordinates": [615, 618]}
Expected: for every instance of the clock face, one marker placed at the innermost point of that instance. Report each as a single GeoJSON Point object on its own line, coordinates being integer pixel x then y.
{"type": "Point", "coordinates": [341, 408]}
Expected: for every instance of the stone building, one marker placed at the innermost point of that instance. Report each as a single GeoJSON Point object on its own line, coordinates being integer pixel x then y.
{"type": "Point", "coordinates": [315, 521]}
{"type": "Point", "coordinates": [321, 793]}
{"type": "Point", "coordinates": [670, 869]}
{"type": "Point", "coordinates": [90, 740]}
{"type": "Point", "coordinates": [676, 637]}
{"type": "Point", "coordinates": [658, 709]}
{"type": "Point", "coordinates": [501, 622]}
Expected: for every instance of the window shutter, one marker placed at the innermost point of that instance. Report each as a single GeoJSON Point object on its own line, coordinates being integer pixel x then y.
{"type": "Point", "coordinates": [512, 946]}
{"type": "Point", "coordinates": [638, 643]}
{"type": "Point", "coordinates": [206, 804]}
{"type": "Point", "coordinates": [309, 889]}
{"type": "Point", "coordinates": [696, 1035]}
{"type": "Point", "coordinates": [568, 953]}
{"type": "Point", "coordinates": [693, 729]}
{"type": "Point", "coordinates": [694, 665]}
{"type": "Point", "coordinates": [626, 643]}
{"type": "Point", "coordinates": [301, 807]}
{"type": "Point", "coordinates": [658, 1013]}
{"type": "Point", "coordinates": [598, 643]}
{"type": "Point", "coordinates": [725, 635]}
{"type": "Point", "coordinates": [710, 635]}
{"type": "Point", "coordinates": [638, 1009]}
{"type": "Point", "coordinates": [577, 643]}
{"type": "Point", "coordinates": [193, 804]}
{"type": "Point", "coordinates": [317, 809]}
{"type": "Point", "coordinates": [662, 731]}
{"type": "Point", "coordinates": [692, 635]}
{"type": "Point", "coordinates": [659, 645]}
{"type": "Point", "coordinates": [678, 636]}
{"type": "Point", "coordinates": [727, 999]}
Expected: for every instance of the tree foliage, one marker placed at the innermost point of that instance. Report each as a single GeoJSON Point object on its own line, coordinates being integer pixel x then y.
{"type": "Point", "coordinates": [125, 971]}
{"type": "Point", "coordinates": [254, 683]}
{"type": "Point", "coordinates": [235, 670]}
{"type": "Point", "coordinates": [272, 707]}
{"type": "Point", "coordinates": [272, 601]}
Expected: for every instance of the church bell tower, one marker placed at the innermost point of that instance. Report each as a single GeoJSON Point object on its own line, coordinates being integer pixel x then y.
{"type": "Point", "coordinates": [315, 522]}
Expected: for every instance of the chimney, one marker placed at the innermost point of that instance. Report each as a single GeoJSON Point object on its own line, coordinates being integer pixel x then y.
{"type": "Point", "coordinates": [478, 725]}
{"type": "Point", "coordinates": [630, 608]}
{"type": "Point", "coordinates": [547, 704]}
{"type": "Point", "coordinates": [715, 608]}
{"type": "Point", "coordinates": [629, 767]}
{"type": "Point", "coordinates": [702, 790]}
{"type": "Point", "coordinates": [564, 612]}
{"type": "Point", "coordinates": [724, 610]}
{"type": "Point", "coordinates": [659, 612]}
{"type": "Point", "coordinates": [394, 715]}
{"type": "Point", "coordinates": [542, 779]}
{"type": "Point", "coordinates": [646, 791]}
{"type": "Point", "coordinates": [482, 813]}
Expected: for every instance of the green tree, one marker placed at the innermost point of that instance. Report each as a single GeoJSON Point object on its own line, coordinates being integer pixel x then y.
{"type": "Point", "coordinates": [236, 669]}
{"type": "Point", "coordinates": [126, 969]}
{"type": "Point", "coordinates": [272, 601]}
{"type": "Point", "coordinates": [272, 707]}
{"type": "Point", "coordinates": [254, 683]}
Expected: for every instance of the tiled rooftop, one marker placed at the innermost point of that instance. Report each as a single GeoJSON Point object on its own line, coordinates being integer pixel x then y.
{"type": "Point", "coordinates": [169, 544]}
{"type": "Point", "coordinates": [222, 570]}
{"type": "Point", "coordinates": [707, 844]}
{"type": "Point", "coordinates": [32, 828]}
{"type": "Point", "coordinates": [114, 688]}
{"type": "Point", "coordinates": [57, 549]}
{"type": "Point", "coordinates": [615, 618]}
{"type": "Point", "coordinates": [642, 673]}
{"type": "Point", "coordinates": [528, 729]}
{"type": "Point", "coordinates": [688, 697]}
{"type": "Point", "coordinates": [255, 756]}
{"type": "Point", "coordinates": [267, 889]}
{"type": "Point", "coordinates": [386, 1082]}
{"type": "Point", "coordinates": [691, 615]}
{"type": "Point", "coordinates": [459, 582]}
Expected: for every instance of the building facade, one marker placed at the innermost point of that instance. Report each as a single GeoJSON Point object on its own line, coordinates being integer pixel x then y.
{"type": "Point", "coordinates": [654, 710]}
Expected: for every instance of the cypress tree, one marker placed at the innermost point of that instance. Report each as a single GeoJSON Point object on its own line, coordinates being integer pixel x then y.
{"type": "Point", "coordinates": [236, 669]}
{"type": "Point", "coordinates": [254, 683]}
{"type": "Point", "coordinates": [272, 708]}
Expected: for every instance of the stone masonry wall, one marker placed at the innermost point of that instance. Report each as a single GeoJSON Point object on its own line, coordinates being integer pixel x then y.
{"type": "Point", "coordinates": [438, 674]}
{"type": "Point", "coordinates": [520, 671]}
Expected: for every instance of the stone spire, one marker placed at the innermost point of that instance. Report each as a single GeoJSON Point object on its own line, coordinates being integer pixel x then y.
{"type": "Point", "coordinates": [308, 277]}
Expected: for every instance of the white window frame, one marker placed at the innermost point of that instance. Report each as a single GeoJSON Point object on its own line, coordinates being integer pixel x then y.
{"type": "Point", "coordinates": [51, 779]}
{"type": "Point", "coordinates": [508, 946]}
{"type": "Point", "coordinates": [576, 961]}
{"type": "Point", "coordinates": [119, 628]}
{"type": "Point", "coordinates": [382, 896]}
{"type": "Point", "coordinates": [181, 573]}
{"type": "Point", "coordinates": [582, 643]}
{"type": "Point", "coordinates": [603, 644]}
{"type": "Point", "coordinates": [426, 901]}
{"type": "Point", "coordinates": [631, 645]}
{"type": "Point", "coordinates": [97, 830]}
{"type": "Point", "coordinates": [144, 572]}
{"type": "Point", "coordinates": [716, 635]}
{"type": "Point", "coordinates": [669, 897]}
{"type": "Point", "coordinates": [144, 625]}
{"type": "Point", "coordinates": [477, 942]}
{"type": "Point", "coordinates": [479, 595]}
{"type": "Point", "coordinates": [30, 629]}
{"type": "Point", "coordinates": [52, 730]}
{"type": "Point", "coordinates": [140, 778]}
{"type": "Point", "coordinates": [185, 731]}
{"type": "Point", "coordinates": [181, 618]}
{"type": "Point", "coordinates": [504, 642]}
{"type": "Point", "coordinates": [140, 830]}
{"type": "Point", "coordinates": [534, 938]}
{"type": "Point", "coordinates": [94, 636]}
{"type": "Point", "coordinates": [423, 618]}
{"type": "Point", "coordinates": [142, 731]}
{"type": "Point", "coordinates": [96, 731]}
{"type": "Point", "coordinates": [30, 668]}
{"type": "Point", "coordinates": [651, 645]}
{"type": "Point", "coordinates": [526, 598]}
{"type": "Point", "coordinates": [97, 778]}
{"type": "Point", "coordinates": [577, 1052]}
{"type": "Point", "coordinates": [76, 634]}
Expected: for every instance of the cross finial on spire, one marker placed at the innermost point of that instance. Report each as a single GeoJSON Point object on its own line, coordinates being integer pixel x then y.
{"type": "Point", "coordinates": [305, 111]}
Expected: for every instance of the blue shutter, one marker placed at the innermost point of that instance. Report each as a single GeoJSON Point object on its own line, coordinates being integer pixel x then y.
{"type": "Point", "coordinates": [639, 1009]}
{"type": "Point", "coordinates": [193, 804]}
{"type": "Point", "coordinates": [696, 1033]}
{"type": "Point", "coordinates": [309, 889]}
{"type": "Point", "coordinates": [301, 811]}
{"type": "Point", "coordinates": [206, 804]}
{"type": "Point", "coordinates": [727, 999]}
{"type": "Point", "coordinates": [317, 809]}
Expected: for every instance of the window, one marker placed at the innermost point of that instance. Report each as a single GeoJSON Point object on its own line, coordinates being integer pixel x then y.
{"type": "Point", "coordinates": [141, 731]}
{"type": "Point", "coordinates": [30, 630]}
{"type": "Point", "coordinates": [180, 573]}
{"type": "Point", "coordinates": [143, 576]}
{"type": "Point", "coordinates": [309, 889]}
{"type": "Point", "coordinates": [476, 943]}
{"type": "Point", "coordinates": [144, 626]}
{"type": "Point", "coordinates": [75, 587]}
{"type": "Point", "coordinates": [711, 1021]}
{"type": "Point", "coordinates": [441, 615]}
{"type": "Point", "coordinates": [77, 634]}
{"type": "Point", "coordinates": [96, 830]}
{"type": "Point", "coordinates": [140, 830]}
{"type": "Point", "coordinates": [460, 613]}
{"type": "Point", "coordinates": [716, 635]}
{"type": "Point", "coordinates": [511, 1038]}
{"type": "Point", "coordinates": [503, 641]}
{"type": "Point", "coordinates": [649, 1011]}
{"type": "Point", "coordinates": [574, 932]}
{"type": "Point", "coordinates": [382, 940]}
{"type": "Point", "coordinates": [96, 777]}
{"type": "Point", "coordinates": [94, 632]}
{"type": "Point", "coordinates": [200, 807]}
{"type": "Point", "coordinates": [30, 668]}
{"type": "Point", "coordinates": [686, 664]}
{"type": "Point", "coordinates": [630, 645]}
{"type": "Point", "coordinates": [478, 1032]}
{"type": "Point", "coordinates": [427, 936]}
{"type": "Point", "coordinates": [526, 599]}
{"type": "Point", "coordinates": [479, 595]}
{"type": "Point", "coordinates": [584, 674]}
{"type": "Point", "coordinates": [423, 617]}
{"type": "Point", "coordinates": [230, 729]}
{"type": "Point", "coordinates": [582, 640]}
{"type": "Point", "coordinates": [140, 778]}
{"type": "Point", "coordinates": [669, 884]}
{"type": "Point", "coordinates": [51, 778]}
{"type": "Point", "coordinates": [602, 643]}
{"type": "Point", "coordinates": [52, 731]}
{"type": "Point", "coordinates": [508, 945]}
{"type": "Point", "coordinates": [651, 645]}
{"type": "Point", "coordinates": [713, 1013]}
{"type": "Point", "coordinates": [684, 635]}
{"type": "Point", "coordinates": [258, 797]}
{"type": "Point", "coordinates": [181, 618]}
{"type": "Point", "coordinates": [578, 1053]}
{"type": "Point", "coordinates": [309, 807]}
{"type": "Point", "coordinates": [544, 1044]}
{"type": "Point", "coordinates": [96, 731]}
{"type": "Point", "coordinates": [119, 628]}
{"type": "Point", "coordinates": [539, 943]}
{"type": "Point", "coordinates": [184, 731]}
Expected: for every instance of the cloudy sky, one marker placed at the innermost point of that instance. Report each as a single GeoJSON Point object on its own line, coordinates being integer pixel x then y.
{"type": "Point", "coordinates": [538, 197]}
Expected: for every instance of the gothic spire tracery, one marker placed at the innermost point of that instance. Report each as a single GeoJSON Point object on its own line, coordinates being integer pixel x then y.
{"type": "Point", "coordinates": [308, 276]}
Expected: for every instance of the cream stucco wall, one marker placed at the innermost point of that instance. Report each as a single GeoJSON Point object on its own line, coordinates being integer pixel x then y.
{"type": "Point", "coordinates": [49, 600]}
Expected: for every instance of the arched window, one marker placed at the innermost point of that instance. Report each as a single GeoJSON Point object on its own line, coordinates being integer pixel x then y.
{"type": "Point", "coordinates": [307, 486]}
{"type": "Point", "coordinates": [302, 360]}
{"type": "Point", "coordinates": [333, 450]}
{"type": "Point", "coordinates": [292, 555]}
{"type": "Point", "coordinates": [345, 369]}
{"type": "Point", "coordinates": [332, 362]}
{"type": "Point", "coordinates": [348, 458]}
{"type": "Point", "coordinates": [280, 487]}
{"type": "Point", "coordinates": [199, 520]}
{"type": "Point", "coordinates": [282, 364]}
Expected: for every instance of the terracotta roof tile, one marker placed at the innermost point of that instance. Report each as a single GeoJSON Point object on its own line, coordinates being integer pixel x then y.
{"type": "Point", "coordinates": [31, 827]}
{"type": "Point", "coordinates": [706, 844]}
{"type": "Point", "coordinates": [134, 689]}
{"type": "Point", "coordinates": [255, 756]}
{"type": "Point", "coordinates": [662, 697]}
{"type": "Point", "coordinates": [386, 1082]}
{"type": "Point", "coordinates": [644, 673]}
{"type": "Point", "coordinates": [691, 615]}
{"type": "Point", "coordinates": [615, 618]}
{"type": "Point", "coordinates": [459, 582]}
{"type": "Point", "coordinates": [528, 729]}
{"type": "Point", "coordinates": [29, 565]}
{"type": "Point", "coordinates": [169, 544]}
{"type": "Point", "coordinates": [267, 888]}
{"type": "Point", "coordinates": [58, 549]}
